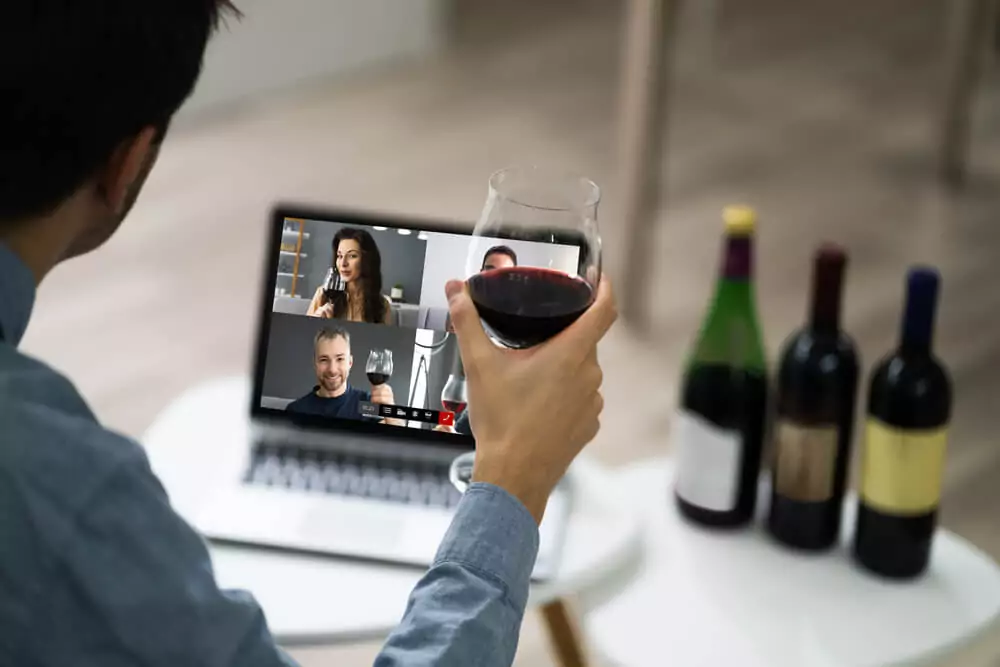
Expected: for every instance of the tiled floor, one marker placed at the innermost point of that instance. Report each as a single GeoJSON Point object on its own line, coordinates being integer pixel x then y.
{"type": "Point", "coordinates": [817, 114]}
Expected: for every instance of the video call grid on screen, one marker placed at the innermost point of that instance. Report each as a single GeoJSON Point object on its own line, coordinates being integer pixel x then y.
{"type": "Point", "coordinates": [414, 264]}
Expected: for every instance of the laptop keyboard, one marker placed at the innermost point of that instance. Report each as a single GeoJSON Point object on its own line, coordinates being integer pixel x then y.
{"type": "Point", "coordinates": [296, 468]}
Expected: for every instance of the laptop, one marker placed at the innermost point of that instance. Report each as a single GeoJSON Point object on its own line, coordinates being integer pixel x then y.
{"type": "Point", "coordinates": [348, 458]}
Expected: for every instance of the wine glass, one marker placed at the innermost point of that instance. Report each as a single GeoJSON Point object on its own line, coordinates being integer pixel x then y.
{"type": "Point", "coordinates": [379, 366]}
{"type": "Point", "coordinates": [534, 262]}
{"type": "Point", "coordinates": [453, 396]}
{"type": "Point", "coordinates": [333, 285]}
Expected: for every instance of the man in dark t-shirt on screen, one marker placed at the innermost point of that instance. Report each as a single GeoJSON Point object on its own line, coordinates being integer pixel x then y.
{"type": "Point", "coordinates": [334, 396]}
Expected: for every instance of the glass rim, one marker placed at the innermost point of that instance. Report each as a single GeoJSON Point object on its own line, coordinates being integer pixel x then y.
{"type": "Point", "coordinates": [590, 189]}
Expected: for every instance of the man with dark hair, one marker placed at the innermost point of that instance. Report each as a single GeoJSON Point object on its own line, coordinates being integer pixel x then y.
{"type": "Point", "coordinates": [499, 257]}
{"type": "Point", "coordinates": [96, 568]}
{"type": "Point", "coordinates": [333, 395]}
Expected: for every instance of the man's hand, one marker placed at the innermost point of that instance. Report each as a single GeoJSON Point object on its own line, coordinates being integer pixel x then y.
{"type": "Point", "coordinates": [535, 408]}
{"type": "Point", "coordinates": [382, 393]}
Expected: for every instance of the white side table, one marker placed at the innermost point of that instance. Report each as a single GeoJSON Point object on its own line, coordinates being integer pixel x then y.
{"type": "Point", "coordinates": [708, 599]}
{"type": "Point", "coordinates": [314, 599]}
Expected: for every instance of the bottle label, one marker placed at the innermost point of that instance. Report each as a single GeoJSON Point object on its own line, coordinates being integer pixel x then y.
{"type": "Point", "coordinates": [902, 470]}
{"type": "Point", "coordinates": [708, 462]}
{"type": "Point", "coordinates": [804, 461]}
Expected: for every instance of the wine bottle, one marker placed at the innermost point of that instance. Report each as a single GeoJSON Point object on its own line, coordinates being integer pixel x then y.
{"type": "Point", "coordinates": [816, 393]}
{"type": "Point", "coordinates": [720, 424]}
{"type": "Point", "coordinates": [902, 468]}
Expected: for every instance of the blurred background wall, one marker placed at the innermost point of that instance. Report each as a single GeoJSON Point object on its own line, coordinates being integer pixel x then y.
{"type": "Point", "coordinates": [280, 44]}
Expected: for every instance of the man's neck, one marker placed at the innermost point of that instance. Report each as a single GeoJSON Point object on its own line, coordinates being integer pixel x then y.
{"type": "Point", "coordinates": [39, 255]}
{"type": "Point", "coordinates": [323, 393]}
{"type": "Point", "coordinates": [41, 242]}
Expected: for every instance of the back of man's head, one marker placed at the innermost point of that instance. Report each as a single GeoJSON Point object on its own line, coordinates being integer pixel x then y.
{"type": "Point", "coordinates": [79, 77]}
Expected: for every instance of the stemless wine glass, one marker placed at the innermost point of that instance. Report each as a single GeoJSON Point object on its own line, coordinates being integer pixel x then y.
{"type": "Point", "coordinates": [534, 262]}
{"type": "Point", "coordinates": [379, 366]}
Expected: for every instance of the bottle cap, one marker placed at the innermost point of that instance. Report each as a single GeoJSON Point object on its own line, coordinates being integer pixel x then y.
{"type": "Point", "coordinates": [831, 254]}
{"type": "Point", "coordinates": [740, 220]}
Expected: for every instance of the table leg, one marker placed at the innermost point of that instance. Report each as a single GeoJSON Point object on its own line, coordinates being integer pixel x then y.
{"type": "Point", "coordinates": [971, 25]}
{"type": "Point", "coordinates": [642, 117]}
{"type": "Point", "coordinates": [564, 634]}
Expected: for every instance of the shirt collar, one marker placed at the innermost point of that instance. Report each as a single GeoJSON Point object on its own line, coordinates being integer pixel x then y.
{"type": "Point", "coordinates": [349, 390]}
{"type": "Point", "coordinates": [17, 296]}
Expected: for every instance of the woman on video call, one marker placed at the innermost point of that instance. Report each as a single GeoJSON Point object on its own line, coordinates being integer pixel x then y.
{"type": "Point", "coordinates": [356, 257]}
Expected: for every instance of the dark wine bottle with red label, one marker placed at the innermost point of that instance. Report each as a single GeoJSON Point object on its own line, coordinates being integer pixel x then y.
{"type": "Point", "coordinates": [817, 384]}
{"type": "Point", "coordinates": [902, 466]}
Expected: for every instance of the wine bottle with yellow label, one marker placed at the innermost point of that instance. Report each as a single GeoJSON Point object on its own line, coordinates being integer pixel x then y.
{"type": "Point", "coordinates": [902, 467]}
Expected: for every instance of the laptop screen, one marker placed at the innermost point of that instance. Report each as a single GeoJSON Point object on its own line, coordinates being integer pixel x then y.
{"type": "Point", "coordinates": [357, 335]}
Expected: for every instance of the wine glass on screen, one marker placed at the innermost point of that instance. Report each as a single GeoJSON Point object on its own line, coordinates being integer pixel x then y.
{"type": "Point", "coordinates": [534, 262]}
{"type": "Point", "coordinates": [333, 285]}
{"type": "Point", "coordinates": [453, 396]}
{"type": "Point", "coordinates": [379, 366]}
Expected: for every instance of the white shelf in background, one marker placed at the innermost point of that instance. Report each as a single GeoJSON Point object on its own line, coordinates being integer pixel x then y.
{"type": "Point", "coordinates": [293, 232]}
{"type": "Point", "coordinates": [282, 274]}
{"type": "Point", "coordinates": [292, 254]}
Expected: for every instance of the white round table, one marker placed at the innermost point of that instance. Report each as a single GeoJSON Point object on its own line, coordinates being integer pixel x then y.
{"type": "Point", "coordinates": [316, 599]}
{"type": "Point", "coordinates": [708, 599]}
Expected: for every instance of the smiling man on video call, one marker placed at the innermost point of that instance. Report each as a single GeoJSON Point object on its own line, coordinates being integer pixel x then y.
{"type": "Point", "coordinates": [333, 395]}
{"type": "Point", "coordinates": [96, 568]}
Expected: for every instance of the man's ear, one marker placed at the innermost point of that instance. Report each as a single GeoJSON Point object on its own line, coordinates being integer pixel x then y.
{"type": "Point", "coordinates": [125, 166]}
{"type": "Point", "coordinates": [350, 362]}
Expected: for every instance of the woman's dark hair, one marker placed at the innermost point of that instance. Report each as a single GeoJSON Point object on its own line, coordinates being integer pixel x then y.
{"type": "Point", "coordinates": [371, 275]}
{"type": "Point", "coordinates": [77, 78]}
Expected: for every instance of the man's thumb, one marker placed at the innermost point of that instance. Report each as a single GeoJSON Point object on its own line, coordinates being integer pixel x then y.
{"type": "Point", "coordinates": [464, 319]}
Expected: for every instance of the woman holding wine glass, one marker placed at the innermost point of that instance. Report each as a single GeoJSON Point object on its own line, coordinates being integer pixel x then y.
{"type": "Point", "coordinates": [353, 288]}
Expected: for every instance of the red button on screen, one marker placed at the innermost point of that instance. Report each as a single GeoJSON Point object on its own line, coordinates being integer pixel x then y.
{"type": "Point", "coordinates": [446, 418]}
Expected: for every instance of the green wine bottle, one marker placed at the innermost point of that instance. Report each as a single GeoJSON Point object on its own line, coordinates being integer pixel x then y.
{"type": "Point", "coordinates": [719, 429]}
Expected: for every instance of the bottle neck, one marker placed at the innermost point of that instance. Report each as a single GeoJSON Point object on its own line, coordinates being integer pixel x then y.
{"type": "Point", "coordinates": [737, 258]}
{"type": "Point", "coordinates": [827, 293]}
{"type": "Point", "coordinates": [730, 334]}
{"type": "Point", "coordinates": [917, 332]}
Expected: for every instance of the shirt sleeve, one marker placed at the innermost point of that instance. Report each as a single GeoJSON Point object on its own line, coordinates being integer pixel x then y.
{"type": "Point", "coordinates": [467, 609]}
{"type": "Point", "coordinates": [143, 580]}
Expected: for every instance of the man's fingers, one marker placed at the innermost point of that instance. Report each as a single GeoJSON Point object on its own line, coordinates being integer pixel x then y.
{"type": "Point", "coordinates": [472, 340]}
{"type": "Point", "coordinates": [596, 320]}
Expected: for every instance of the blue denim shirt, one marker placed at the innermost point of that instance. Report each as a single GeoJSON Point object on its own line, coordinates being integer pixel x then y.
{"type": "Point", "coordinates": [96, 569]}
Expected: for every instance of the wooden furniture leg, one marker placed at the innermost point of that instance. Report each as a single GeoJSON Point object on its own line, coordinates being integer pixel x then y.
{"type": "Point", "coordinates": [972, 23]}
{"type": "Point", "coordinates": [564, 634]}
{"type": "Point", "coordinates": [642, 114]}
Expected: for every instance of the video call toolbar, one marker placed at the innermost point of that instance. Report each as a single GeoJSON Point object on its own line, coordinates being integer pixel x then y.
{"type": "Point", "coordinates": [383, 411]}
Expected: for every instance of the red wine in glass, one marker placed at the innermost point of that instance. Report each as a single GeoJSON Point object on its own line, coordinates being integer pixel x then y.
{"type": "Point", "coordinates": [333, 286]}
{"type": "Point", "coordinates": [379, 367]}
{"type": "Point", "coordinates": [453, 406]}
{"type": "Point", "coordinates": [524, 306]}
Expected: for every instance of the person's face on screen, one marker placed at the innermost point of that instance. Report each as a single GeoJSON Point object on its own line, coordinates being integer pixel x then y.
{"type": "Point", "coordinates": [497, 260]}
{"type": "Point", "coordinates": [333, 364]}
{"type": "Point", "coordinates": [349, 259]}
